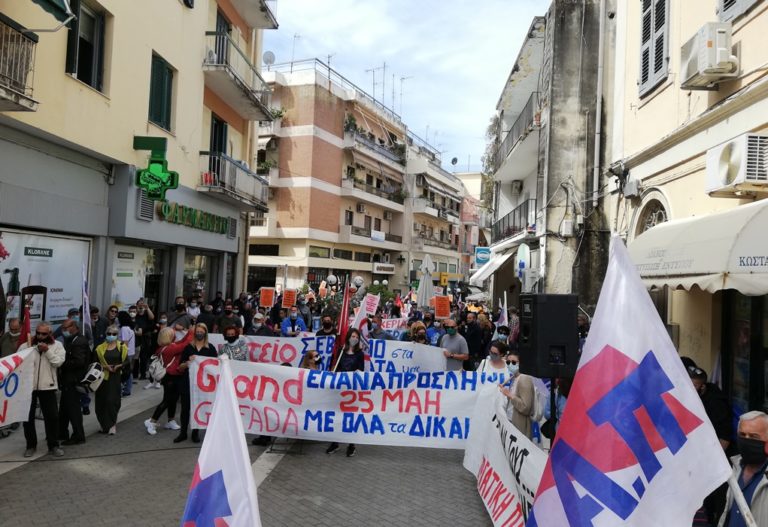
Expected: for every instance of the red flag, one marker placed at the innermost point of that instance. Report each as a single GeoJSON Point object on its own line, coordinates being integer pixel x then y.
{"type": "Point", "coordinates": [343, 324]}
{"type": "Point", "coordinates": [26, 328]}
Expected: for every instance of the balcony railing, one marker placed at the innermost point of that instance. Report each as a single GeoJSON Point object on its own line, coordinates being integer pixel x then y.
{"type": "Point", "coordinates": [434, 242]}
{"type": "Point", "coordinates": [394, 194]}
{"type": "Point", "coordinates": [521, 219]}
{"type": "Point", "coordinates": [391, 153]}
{"type": "Point", "coordinates": [17, 60]}
{"type": "Point", "coordinates": [360, 231]}
{"type": "Point", "coordinates": [522, 126]}
{"type": "Point", "coordinates": [222, 51]}
{"type": "Point", "coordinates": [231, 177]}
{"type": "Point", "coordinates": [393, 238]}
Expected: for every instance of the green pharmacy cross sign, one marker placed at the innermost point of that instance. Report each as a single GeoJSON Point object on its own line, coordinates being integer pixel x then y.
{"type": "Point", "coordinates": [156, 179]}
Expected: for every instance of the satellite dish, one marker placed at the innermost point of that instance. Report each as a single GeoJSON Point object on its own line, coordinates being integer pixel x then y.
{"type": "Point", "coordinates": [454, 161]}
{"type": "Point", "coordinates": [268, 58]}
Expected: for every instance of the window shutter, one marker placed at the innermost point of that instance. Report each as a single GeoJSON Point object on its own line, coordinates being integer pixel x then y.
{"type": "Point", "coordinates": [654, 44]}
{"type": "Point", "coordinates": [145, 209]}
{"type": "Point", "coordinates": [732, 9]}
{"type": "Point", "coordinates": [232, 228]}
{"type": "Point", "coordinates": [70, 65]}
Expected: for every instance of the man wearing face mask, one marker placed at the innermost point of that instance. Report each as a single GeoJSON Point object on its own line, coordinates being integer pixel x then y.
{"type": "Point", "coordinates": [179, 315]}
{"type": "Point", "coordinates": [207, 317]}
{"type": "Point", "coordinates": [229, 318]}
{"type": "Point", "coordinates": [293, 325]}
{"type": "Point", "coordinates": [435, 331]}
{"type": "Point", "coordinates": [193, 310]}
{"type": "Point", "coordinates": [304, 311]}
{"type": "Point", "coordinates": [9, 342]}
{"type": "Point", "coordinates": [376, 332]}
{"type": "Point", "coordinates": [454, 346]}
{"type": "Point", "coordinates": [78, 356]}
{"type": "Point", "coordinates": [258, 327]}
{"type": "Point", "coordinates": [749, 468]}
{"type": "Point", "coordinates": [48, 355]}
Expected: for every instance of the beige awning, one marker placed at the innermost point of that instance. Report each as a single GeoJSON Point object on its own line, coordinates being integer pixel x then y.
{"type": "Point", "coordinates": [725, 250]}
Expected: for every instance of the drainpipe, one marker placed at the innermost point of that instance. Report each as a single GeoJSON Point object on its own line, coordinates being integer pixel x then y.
{"type": "Point", "coordinates": [599, 105]}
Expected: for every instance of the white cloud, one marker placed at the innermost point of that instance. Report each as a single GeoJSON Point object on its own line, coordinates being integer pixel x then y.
{"type": "Point", "coordinates": [458, 53]}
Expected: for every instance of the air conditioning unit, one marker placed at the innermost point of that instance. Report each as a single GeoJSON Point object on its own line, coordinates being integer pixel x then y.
{"type": "Point", "coordinates": [385, 258]}
{"type": "Point", "coordinates": [388, 215]}
{"type": "Point", "coordinates": [360, 208]}
{"type": "Point", "coordinates": [706, 59]}
{"type": "Point", "coordinates": [738, 166]}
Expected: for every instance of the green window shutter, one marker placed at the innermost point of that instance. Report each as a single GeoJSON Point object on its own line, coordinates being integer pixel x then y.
{"type": "Point", "coordinates": [160, 93]}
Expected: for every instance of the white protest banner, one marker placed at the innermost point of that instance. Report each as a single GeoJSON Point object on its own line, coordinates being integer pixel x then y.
{"type": "Point", "coordinates": [508, 466]}
{"type": "Point", "coordinates": [367, 309]}
{"type": "Point", "coordinates": [277, 350]}
{"type": "Point", "coordinates": [427, 409]}
{"type": "Point", "coordinates": [16, 386]}
{"type": "Point", "coordinates": [398, 356]}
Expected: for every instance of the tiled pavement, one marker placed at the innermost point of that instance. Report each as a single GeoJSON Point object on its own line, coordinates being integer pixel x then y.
{"type": "Point", "coordinates": [133, 479]}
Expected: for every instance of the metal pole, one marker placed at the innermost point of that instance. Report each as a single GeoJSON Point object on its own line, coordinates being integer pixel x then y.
{"type": "Point", "coordinates": [741, 503]}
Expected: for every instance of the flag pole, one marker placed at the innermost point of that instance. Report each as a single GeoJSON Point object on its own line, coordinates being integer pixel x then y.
{"type": "Point", "coordinates": [741, 503]}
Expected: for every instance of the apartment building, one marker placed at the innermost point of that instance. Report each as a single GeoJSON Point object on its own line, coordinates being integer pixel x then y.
{"type": "Point", "coordinates": [548, 233]}
{"type": "Point", "coordinates": [353, 193]}
{"type": "Point", "coordinates": [165, 92]}
{"type": "Point", "coordinates": [689, 154]}
{"type": "Point", "coordinates": [475, 224]}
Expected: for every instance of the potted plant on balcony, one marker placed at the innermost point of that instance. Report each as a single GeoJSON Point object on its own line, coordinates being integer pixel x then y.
{"type": "Point", "coordinates": [399, 150]}
{"type": "Point", "coordinates": [264, 166]}
{"type": "Point", "coordinates": [350, 124]}
{"type": "Point", "coordinates": [277, 113]}
{"type": "Point", "coordinates": [400, 194]}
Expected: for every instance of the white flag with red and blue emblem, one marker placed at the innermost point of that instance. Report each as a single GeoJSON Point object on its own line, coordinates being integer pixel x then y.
{"type": "Point", "coordinates": [634, 447]}
{"type": "Point", "coordinates": [223, 492]}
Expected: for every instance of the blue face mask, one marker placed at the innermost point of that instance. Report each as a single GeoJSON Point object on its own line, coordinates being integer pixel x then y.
{"type": "Point", "coordinates": [111, 338]}
{"type": "Point", "coordinates": [65, 333]}
{"type": "Point", "coordinates": [374, 325]}
{"type": "Point", "coordinates": [76, 318]}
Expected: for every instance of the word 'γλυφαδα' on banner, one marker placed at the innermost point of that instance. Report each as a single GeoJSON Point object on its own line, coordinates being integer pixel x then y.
{"type": "Point", "coordinates": [426, 409]}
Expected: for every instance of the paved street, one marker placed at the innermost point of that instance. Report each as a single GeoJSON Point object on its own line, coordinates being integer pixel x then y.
{"type": "Point", "coordinates": [133, 479]}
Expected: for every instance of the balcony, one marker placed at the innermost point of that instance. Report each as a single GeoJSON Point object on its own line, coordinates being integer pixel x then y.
{"type": "Point", "coordinates": [432, 209]}
{"type": "Point", "coordinates": [392, 198]}
{"type": "Point", "coordinates": [258, 14]}
{"type": "Point", "coordinates": [435, 242]}
{"type": "Point", "coordinates": [230, 74]}
{"type": "Point", "coordinates": [263, 227]}
{"type": "Point", "coordinates": [522, 219]}
{"type": "Point", "coordinates": [392, 156]}
{"type": "Point", "coordinates": [518, 152]}
{"type": "Point", "coordinates": [370, 238]}
{"type": "Point", "coordinates": [17, 67]}
{"type": "Point", "coordinates": [231, 181]}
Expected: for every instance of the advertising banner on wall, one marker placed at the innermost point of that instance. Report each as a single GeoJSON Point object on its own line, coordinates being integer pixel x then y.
{"type": "Point", "coordinates": [128, 275]}
{"type": "Point", "coordinates": [44, 270]}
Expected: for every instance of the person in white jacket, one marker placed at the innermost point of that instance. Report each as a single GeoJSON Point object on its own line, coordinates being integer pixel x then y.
{"type": "Point", "coordinates": [47, 355]}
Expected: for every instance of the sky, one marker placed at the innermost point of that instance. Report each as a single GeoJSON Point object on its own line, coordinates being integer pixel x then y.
{"type": "Point", "coordinates": [457, 54]}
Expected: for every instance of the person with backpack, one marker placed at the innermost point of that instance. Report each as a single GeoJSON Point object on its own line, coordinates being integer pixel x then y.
{"type": "Point", "coordinates": [521, 397]}
{"type": "Point", "coordinates": [169, 356]}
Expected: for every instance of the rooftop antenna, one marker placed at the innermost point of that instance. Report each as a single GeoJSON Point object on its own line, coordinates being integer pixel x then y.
{"type": "Point", "coordinates": [402, 79]}
{"type": "Point", "coordinates": [330, 56]}
{"type": "Point", "coordinates": [373, 71]}
{"type": "Point", "coordinates": [296, 37]}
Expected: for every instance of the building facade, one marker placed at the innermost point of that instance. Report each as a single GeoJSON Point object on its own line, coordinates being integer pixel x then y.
{"type": "Point", "coordinates": [688, 148]}
{"type": "Point", "coordinates": [77, 107]}
{"type": "Point", "coordinates": [549, 230]}
{"type": "Point", "coordinates": [352, 192]}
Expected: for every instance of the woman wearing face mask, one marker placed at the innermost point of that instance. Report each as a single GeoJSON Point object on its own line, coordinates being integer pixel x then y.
{"type": "Point", "coordinates": [351, 358]}
{"type": "Point", "coordinates": [419, 333]}
{"type": "Point", "coordinates": [311, 361]}
{"type": "Point", "coordinates": [113, 357]}
{"type": "Point", "coordinates": [520, 396]}
{"type": "Point", "coordinates": [234, 345]}
{"type": "Point", "coordinates": [199, 346]}
{"type": "Point", "coordinates": [494, 362]}
{"type": "Point", "coordinates": [169, 350]}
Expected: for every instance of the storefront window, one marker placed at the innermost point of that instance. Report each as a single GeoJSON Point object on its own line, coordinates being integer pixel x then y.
{"type": "Point", "coordinates": [136, 273]}
{"type": "Point", "coordinates": [197, 274]}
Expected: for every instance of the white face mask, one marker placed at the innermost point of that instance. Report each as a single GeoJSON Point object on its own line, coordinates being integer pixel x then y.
{"type": "Point", "coordinates": [257, 325]}
{"type": "Point", "coordinates": [15, 333]}
{"type": "Point", "coordinates": [180, 335]}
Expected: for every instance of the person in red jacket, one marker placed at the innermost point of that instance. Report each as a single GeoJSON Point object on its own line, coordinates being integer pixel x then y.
{"type": "Point", "coordinates": [170, 352]}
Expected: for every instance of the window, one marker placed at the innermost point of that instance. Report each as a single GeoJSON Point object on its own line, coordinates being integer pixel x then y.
{"type": "Point", "coordinates": [160, 93]}
{"type": "Point", "coordinates": [257, 249]}
{"type": "Point", "coordinates": [319, 252]}
{"type": "Point", "coordinates": [85, 46]}
{"type": "Point", "coordinates": [342, 254]}
{"type": "Point", "coordinates": [654, 44]}
{"type": "Point", "coordinates": [349, 217]}
{"type": "Point", "coordinates": [377, 224]}
{"type": "Point", "coordinates": [416, 265]}
{"type": "Point", "coordinates": [442, 267]}
{"type": "Point", "coordinates": [350, 172]}
{"type": "Point", "coordinates": [732, 9]}
{"type": "Point", "coordinates": [362, 257]}
{"type": "Point", "coordinates": [452, 268]}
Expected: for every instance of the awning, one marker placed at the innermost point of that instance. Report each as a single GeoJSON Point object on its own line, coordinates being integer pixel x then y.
{"type": "Point", "coordinates": [489, 268]}
{"type": "Point", "coordinates": [725, 250]}
{"type": "Point", "coordinates": [58, 8]}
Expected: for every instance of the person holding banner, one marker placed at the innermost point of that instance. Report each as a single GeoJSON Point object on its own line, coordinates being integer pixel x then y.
{"type": "Point", "coordinates": [520, 397]}
{"type": "Point", "coordinates": [454, 346]}
{"type": "Point", "coordinates": [494, 362]}
{"type": "Point", "coordinates": [234, 345]}
{"type": "Point", "coordinates": [199, 346]}
{"type": "Point", "coordinates": [351, 358]}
